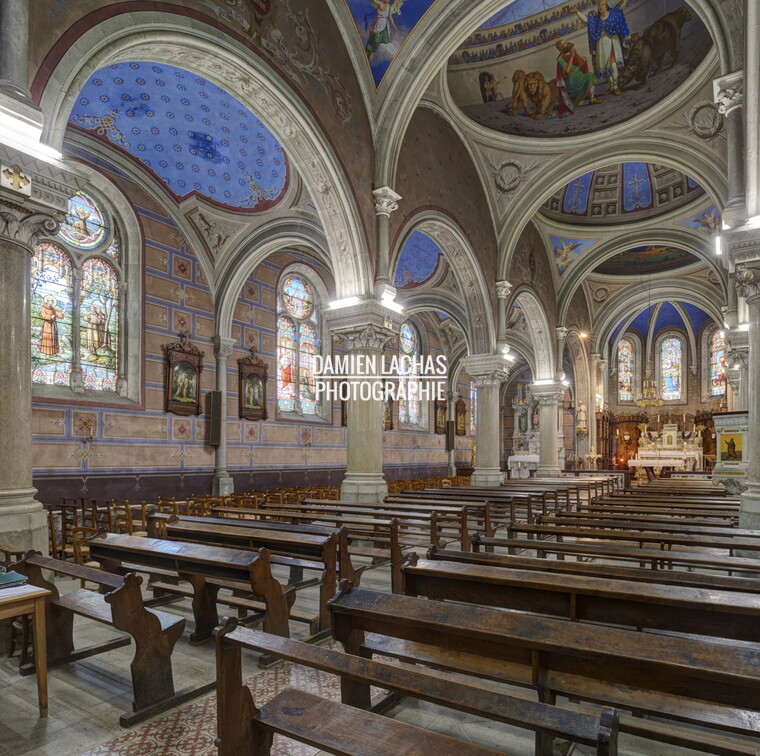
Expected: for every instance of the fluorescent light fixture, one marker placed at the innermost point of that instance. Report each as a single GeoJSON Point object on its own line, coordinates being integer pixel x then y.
{"type": "Point", "coordinates": [543, 382]}
{"type": "Point", "coordinates": [339, 304]}
{"type": "Point", "coordinates": [718, 245]}
{"type": "Point", "coordinates": [24, 136]}
{"type": "Point", "coordinates": [388, 300]}
{"type": "Point", "coordinates": [743, 326]}
{"type": "Point", "coordinates": [754, 221]}
{"type": "Point", "coordinates": [566, 383]}
{"type": "Point", "coordinates": [723, 334]}
{"type": "Point", "coordinates": [725, 226]}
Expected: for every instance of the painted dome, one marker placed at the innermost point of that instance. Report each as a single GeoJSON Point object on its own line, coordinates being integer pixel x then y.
{"type": "Point", "coordinates": [195, 137]}
{"type": "Point", "coordinates": [621, 193]}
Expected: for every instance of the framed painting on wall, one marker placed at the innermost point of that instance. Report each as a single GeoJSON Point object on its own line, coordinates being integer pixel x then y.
{"type": "Point", "coordinates": [440, 416]}
{"type": "Point", "coordinates": [388, 414]}
{"type": "Point", "coordinates": [183, 377]}
{"type": "Point", "coordinates": [461, 417]}
{"type": "Point", "coordinates": [252, 387]}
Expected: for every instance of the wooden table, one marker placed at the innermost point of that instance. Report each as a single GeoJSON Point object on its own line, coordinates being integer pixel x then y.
{"type": "Point", "coordinates": [29, 599]}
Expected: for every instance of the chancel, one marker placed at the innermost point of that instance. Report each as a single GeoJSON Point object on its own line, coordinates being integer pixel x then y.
{"type": "Point", "coordinates": [380, 377]}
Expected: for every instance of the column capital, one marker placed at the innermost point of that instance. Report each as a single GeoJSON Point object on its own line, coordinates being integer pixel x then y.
{"type": "Point", "coordinates": [367, 325]}
{"type": "Point", "coordinates": [561, 332]}
{"type": "Point", "coordinates": [728, 92]}
{"type": "Point", "coordinates": [502, 289]}
{"type": "Point", "coordinates": [386, 200]}
{"type": "Point", "coordinates": [547, 393]}
{"type": "Point", "coordinates": [486, 369]}
{"type": "Point", "coordinates": [23, 227]}
{"type": "Point", "coordinates": [748, 281]}
{"type": "Point", "coordinates": [223, 346]}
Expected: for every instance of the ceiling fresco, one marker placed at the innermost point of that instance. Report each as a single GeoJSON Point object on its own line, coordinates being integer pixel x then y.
{"type": "Point", "coordinates": [620, 193]}
{"type": "Point", "coordinates": [541, 68]}
{"type": "Point", "coordinates": [641, 261]}
{"type": "Point", "coordinates": [566, 250]}
{"type": "Point", "coordinates": [383, 26]}
{"type": "Point", "coordinates": [195, 137]}
{"type": "Point", "coordinates": [418, 261]}
{"type": "Point", "coordinates": [707, 222]}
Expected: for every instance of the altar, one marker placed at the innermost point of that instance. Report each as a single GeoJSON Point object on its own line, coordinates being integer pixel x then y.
{"type": "Point", "coordinates": [670, 447]}
{"type": "Point", "coordinates": [520, 465]}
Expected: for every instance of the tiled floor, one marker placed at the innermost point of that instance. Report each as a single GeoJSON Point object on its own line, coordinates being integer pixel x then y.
{"type": "Point", "coordinates": [87, 698]}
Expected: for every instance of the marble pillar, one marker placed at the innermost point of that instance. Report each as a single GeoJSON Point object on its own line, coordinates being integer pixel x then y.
{"type": "Point", "coordinates": [487, 372]}
{"type": "Point", "coordinates": [222, 483]}
{"type": "Point", "coordinates": [14, 49]}
{"type": "Point", "coordinates": [386, 202]}
{"type": "Point", "coordinates": [451, 414]}
{"type": "Point", "coordinates": [748, 285]}
{"type": "Point", "coordinates": [502, 293]}
{"type": "Point", "coordinates": [364, 330]}
{"type": "Point", "coordinates": [549, 396]}
{"type": "Point", "coordinates": [22, 519]}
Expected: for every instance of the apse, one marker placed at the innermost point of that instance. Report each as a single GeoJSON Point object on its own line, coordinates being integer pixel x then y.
{"type": "Point", "coordinates": [189, 133]}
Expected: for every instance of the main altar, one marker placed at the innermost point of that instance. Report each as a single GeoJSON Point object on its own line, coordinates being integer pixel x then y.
{"type": "Point", "coordinates": [670, 447]}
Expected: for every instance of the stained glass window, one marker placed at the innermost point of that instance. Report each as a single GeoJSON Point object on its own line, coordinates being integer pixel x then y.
{"type": "Point", "coordinates": [409, 408]}
{"type": "Point", "coordinates": [99, 324]}
{"type": "Point", "coordinates": [625, 363]}
{"type": "Point", "coordinates": [671, 352]}
{"type": "Point", "coordinates": [84, 225]}
{"type": "Point", "coordinates": [52, 308]}
{"type": "Point", "coordinates": [298, 342]}
{"type": "Point", "coordinates": [717, 364]}
{"type": "Point", "coordinates": [75, 303]}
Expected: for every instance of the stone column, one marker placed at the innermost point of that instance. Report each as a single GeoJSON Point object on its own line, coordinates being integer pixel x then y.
{"type": "Point", "coordinates": [729, 97]}
{"type": "Point", "coordinates": [14, 49]}
{"type": "Point", "coordinates": [386, 202]}
{"type": "Point", "coordinates": [502, 293]}
{"type": "Point", "coordinates": [487, 372]}
{"type": "Point", "coordinates": [603, 382]}
{"type": "Point", "coordinates": [222, 484]}
{"type": "Point", "coordinates": [549, 396]}
{"type": "Point", "coordinates": [748, 285]}
{"type": "Point", "coordinates": [364, 330]}
{"type": "Point", "coordinates": [594, 404]}
{"type": "Point", "coordinates": [561, 333]}
{"type": "Point", "coordinates": [22, 520]}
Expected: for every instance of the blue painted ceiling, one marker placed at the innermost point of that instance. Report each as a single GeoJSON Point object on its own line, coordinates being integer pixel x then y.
{"type": "Point", "coordinates": [417, 262]}
{"type": "Point", "coordinates": [190, 133]}
{"type": "Point", "coordinates": [668, 317]}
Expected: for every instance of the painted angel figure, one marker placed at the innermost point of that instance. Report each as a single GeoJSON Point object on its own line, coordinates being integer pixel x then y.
{"type": "Point", "coordinates": [380, 27]}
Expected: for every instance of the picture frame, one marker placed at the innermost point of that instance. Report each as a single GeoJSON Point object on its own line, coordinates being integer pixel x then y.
{"type": "Point", "coordinates": [460, 412]}
{"type": "Point", "coordinates": [388, 414]}
{"type": "Point", "coordinates": [440, 416]}
{"type": "Point", "coordinates": [252, 387]}
{"type": "Point", "coordinates": [183, 377]}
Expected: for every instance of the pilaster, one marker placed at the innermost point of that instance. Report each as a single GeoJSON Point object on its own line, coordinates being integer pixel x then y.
{"type": "Point", "coordinates": [386, 202]}
{"type": "Point", "coordinates": [502, 293]}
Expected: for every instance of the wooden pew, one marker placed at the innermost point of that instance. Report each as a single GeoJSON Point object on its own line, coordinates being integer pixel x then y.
{"type": "Point", "coordinates": [607, 571]}
{"type": "Point", "coordinates": [585, 598]}
{"type": "Point", "coordinates": [719, 515]}
{"type": "Point", "coordinates": [120, 605]}
{"type": "Point", "coordinates": [207, 569]}
{"type": "Point", "coordinates": [301, 550]}
{"type": "Point", "coordinates": [596, 731]}
{"type": "Point", "coordinates": [657, 559]}
{"type": "Point", "coordinates": [377, 530]}
{"type": "Point", "coordinates": [244, 728]}
{"type": "Point", "coordinates": [677, 678]}
{"type": "Point", "coordinates": [636, 521]}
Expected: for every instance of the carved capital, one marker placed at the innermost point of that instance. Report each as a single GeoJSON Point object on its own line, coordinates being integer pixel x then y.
{"type": "Point", "coordinates": [728, 92]}
{"type": "Point", "coordinates": [561, 332]}
{"type": "Point", "coordinates": [548, 393]}
{"type": "Point", "coordinates": [386, 200]}
{"type": "Point", "coordinates": [502, 289]}
{"type": "Point", "coordinates": [365, 338]}
{"type": "Point", "coordinates": [748, 281]}
{"type": "Point", "coordinates": [223, 347]}
{"type": "Point", "coordinates": [486, 369]}
{"type": "Point", "coordinates": [25, 227]}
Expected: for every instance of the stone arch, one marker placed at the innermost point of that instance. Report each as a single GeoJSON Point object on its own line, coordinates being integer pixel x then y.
{"type": "Point", "coordinates": [681, 155]}
{"type": "Point", "coordinates": [192, 45]}
{"type": "Point", "coordinates": [692, 242]}
{"type": "Point", "coordinates": [540, 335]}
{"type": "Point", "coordinates": [477, 324]}
{"type": "Point", "coordinates": [278, 235]}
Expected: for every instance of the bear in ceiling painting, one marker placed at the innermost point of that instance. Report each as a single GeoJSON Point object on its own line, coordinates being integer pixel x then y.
{"type": "Point", "coordinates": [383, 27]}
{"type": "Point", "coordinates": [620, 56]}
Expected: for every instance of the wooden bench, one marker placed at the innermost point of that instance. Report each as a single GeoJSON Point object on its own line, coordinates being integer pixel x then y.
{"type": "Point", "coordinates": [588, 598]}
{"type": "Point", "coordinates": [596, 731]}
{"type": "Point", "coordinates": [681, 679]}
{"type": "Point", "coordinates": [713, 515]}
{"type": "Point", "coordinates": [645, 522]}
{"type": "Point", "coordinates": [120, 605]}
{"type": "Point", "coordinates": [304, 551]}
{"type": "Point", "coordinates": [207, 569]}
{"type": "Point", "coordinates": [656, 559]}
